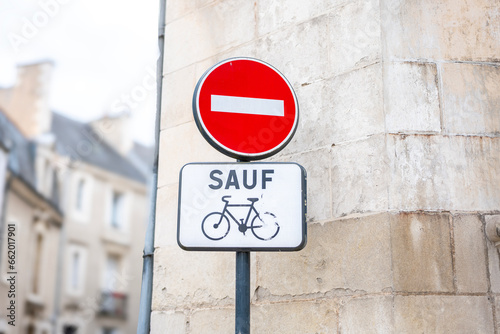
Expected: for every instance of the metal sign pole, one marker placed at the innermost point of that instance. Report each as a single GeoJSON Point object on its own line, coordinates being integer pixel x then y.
{"type": "Point", "coordinates": [242, 323]}
{"type": "Point", "coordinates": [242, 292]}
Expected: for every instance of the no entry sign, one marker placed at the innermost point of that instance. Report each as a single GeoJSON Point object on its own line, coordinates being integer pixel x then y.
{"type": "Point", "coordinates": [245, 108]}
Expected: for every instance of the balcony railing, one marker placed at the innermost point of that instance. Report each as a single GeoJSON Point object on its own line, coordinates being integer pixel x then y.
{"type": "Point", "coordinates": [113, 304]}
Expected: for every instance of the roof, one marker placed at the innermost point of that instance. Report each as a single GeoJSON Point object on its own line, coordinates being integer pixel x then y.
{"type": "Point", "coordinates": [145, 153]}
{"type": "Point", "coordinates": [142, 157]}
{"type": "Point", "coordinates": [79, 141]}
{"type": "Point", "coordinates": [21, 151]}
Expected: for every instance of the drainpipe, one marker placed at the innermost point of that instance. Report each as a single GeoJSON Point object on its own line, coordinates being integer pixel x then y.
{"type": "Point", "coordinates": [143, 324]}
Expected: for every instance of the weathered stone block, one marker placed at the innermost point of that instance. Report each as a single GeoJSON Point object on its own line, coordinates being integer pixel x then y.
{"type": "Point", "coordinates": [354, 36]}
{"type": "Point", "coordinates": [470, 98]}
{"type": "Point", "coordinates": [299, 52]}
{"type": "Point", "coordinates": [178, 8]}
{"type": "Point", "coordinates": [367, 315]}
{"type": "Point", "coordinates": [351, 254]}
{"type": "Point", "coordinates": [343, 108]}
{"type": "Point", "coordinates": [178, 89]}
{"type": "Point", "coordinates": [168, 322]}
{"type": "Point", "coordinates": [497, 308]}
{"type": "Point", "coordinates": [442, 314]}
{"type": "Point", "coordinates": [207, 31]}
{"type": "Point", "coordinates": [316, 163]}
{"type": "Point", "coordinates": [295, 317]}
{"type": "Point", "coordinates": [183, 279]}
{"type": "Point", "coordinates": [493, 257]}
{"type": "Point", "coordinates": [248, 49]}
{"type": "Point", "coordinates": [411, 97]}
{"type": "Point", "coordinates": [441, 30]}
{"type": "Point", "coordinates": [166, 216]}
{"type": "Point", "coordinates": [273, 15]}
{"type": "Point", "coordinates": [212, 321]}
{"type": "Point", "coordinates": [360, 176]}
{"type": "Point", "coordinates": [311, 107]}
{"type": "Point", "coordinates": [444, 172]}
{"type": "Point", "coordinates": [421, 252]}
{"type": "Point", "coordinates": [354, 105]}
{"type": "Point", "coordinates": [180, 145]}
{"type": "Point", "coordinates": [470, 257]}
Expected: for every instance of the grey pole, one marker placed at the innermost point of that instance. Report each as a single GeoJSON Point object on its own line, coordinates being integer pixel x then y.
{"type": "Point", "coordinates": [143, 324]}
{"type": "Point", "coordinates": [242, 319]}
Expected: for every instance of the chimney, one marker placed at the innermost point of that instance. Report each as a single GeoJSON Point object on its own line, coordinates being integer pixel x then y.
{"type": "Point", "coordinates": [27, 102]}
{"type": "Point", "coordinates": [115, 130]}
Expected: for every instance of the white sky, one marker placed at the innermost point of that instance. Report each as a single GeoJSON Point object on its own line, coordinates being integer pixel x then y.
{"type": "Point", "coordinates": [104, 54]}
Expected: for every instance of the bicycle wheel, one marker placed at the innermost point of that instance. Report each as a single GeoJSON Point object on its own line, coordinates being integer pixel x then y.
{"type": "Point", "coordinates": [265, 226]}
{"type": "Point", "coordinates": [215, 226]}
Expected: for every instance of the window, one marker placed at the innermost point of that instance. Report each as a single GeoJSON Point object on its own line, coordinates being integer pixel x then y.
{"type": "Point", "coordinates": [117, 207]}
{"type": "Point", "coordinates": [46, 186]}
{"type": "Point", "coordinates": [75, 271]}
{"type": "Point", "coordinates": [80, 202]}
{"type": "Point", "coordinates": [56, 191]}
{"type": "Point", "coordinates": [70, 329]}
{"type": "Point", "coordinates": [37, 266]}
{"type": "Point", "coordinates": [112, 272]}
{"type": "Point", "coordinates": [76, 265]}
{"type": "Point", "coordinates": [113, 298]}
{"type": "Point", "coordinates": [80, 190]}
{"type": "Point", "coordinates": [30, 329]}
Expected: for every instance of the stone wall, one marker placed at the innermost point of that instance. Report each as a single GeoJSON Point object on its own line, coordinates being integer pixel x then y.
{"type": "Point", "coordinates": [399, 134]}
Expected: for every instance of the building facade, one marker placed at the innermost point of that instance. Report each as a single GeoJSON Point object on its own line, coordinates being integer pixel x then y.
{"type": "Point", "coordinates": [106, 214]}
{"type": "Point", "coordinates": [81, 241]}
{"type": "Point", "coordinates": [399, 134]}
{"type": "Point", "coordinates": [31, 225]}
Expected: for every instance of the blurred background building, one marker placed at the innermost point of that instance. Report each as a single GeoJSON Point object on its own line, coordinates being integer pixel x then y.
{"type": "Point", "coordinates": [77, 195]}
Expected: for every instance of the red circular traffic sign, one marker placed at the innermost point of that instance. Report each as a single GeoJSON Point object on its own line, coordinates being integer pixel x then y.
{"type": "Point", "coordinates": [245, 108]}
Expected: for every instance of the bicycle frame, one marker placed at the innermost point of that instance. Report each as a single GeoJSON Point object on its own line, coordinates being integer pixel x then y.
{"type": "Point", "coordinates": [226, 211]}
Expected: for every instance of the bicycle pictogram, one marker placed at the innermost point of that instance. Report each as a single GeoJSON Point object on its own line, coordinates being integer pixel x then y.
{"type": "Point", "coordinates": [216, 226]}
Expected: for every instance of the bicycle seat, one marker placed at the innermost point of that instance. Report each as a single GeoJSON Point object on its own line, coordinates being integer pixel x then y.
{"type": "Point", "coordinates": [224, 198]}
{"type": "Point", "coordinates": [253, 200]}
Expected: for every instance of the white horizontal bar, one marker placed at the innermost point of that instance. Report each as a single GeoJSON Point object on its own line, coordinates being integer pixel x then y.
{"type": "Point", "coordinates": [248, 105]}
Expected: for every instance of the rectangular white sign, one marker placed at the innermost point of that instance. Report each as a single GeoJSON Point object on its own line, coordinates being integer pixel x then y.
{"type": "Point", "coordinates": [247, 105]}
{"type": "Point", "coordinates": [242, 206]}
